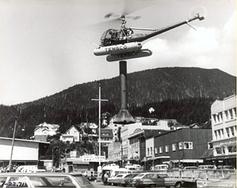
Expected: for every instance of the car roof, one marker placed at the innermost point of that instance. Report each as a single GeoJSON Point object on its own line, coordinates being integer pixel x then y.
{"type": "Point", "coordinates": [34, 174]}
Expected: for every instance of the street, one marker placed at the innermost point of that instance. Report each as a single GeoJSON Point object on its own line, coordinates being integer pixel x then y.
{"type": "Point", "coordinates": [100, 185]}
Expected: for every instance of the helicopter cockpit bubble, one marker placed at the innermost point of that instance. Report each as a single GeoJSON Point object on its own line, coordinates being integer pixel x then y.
{"type": "Point", "coordinates": [114, 36]}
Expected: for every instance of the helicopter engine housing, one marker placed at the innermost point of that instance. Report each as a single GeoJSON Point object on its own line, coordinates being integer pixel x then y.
{"type": "Point", "coordinates": [118, 49]}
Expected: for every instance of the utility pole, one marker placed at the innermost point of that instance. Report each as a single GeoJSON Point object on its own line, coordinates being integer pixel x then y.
{"type": "Point", "coordinates": [13, 141]}
{"type": "Point", "coordinates": [99, 124]}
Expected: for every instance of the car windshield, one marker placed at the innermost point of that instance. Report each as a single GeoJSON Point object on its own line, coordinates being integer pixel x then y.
{"type": "Point", "coordinates": [140, 175]}
{"type": "Point", "coordinates": [81, 179]}
{"type": "Point", "coordinates": [51, 181]}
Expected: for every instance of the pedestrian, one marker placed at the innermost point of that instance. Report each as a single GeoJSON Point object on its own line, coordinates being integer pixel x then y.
{"type": "Point", "coordinates": [106, 176]}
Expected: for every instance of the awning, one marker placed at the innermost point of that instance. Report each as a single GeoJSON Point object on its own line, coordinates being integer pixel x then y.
{"type": "Point", "coordinates": [159, 157]}
{"type": "Point", "coordinates": [188, 161]}
{"type": "Point", "coordinates": [222, 157]}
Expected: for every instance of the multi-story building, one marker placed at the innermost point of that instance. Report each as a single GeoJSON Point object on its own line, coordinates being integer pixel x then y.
{"type": "Point", "coordinates": [138, 142]}
{"type": "Point", "coordinates": [123, 134]}
{"type": "Point", "coordinates": [185, 146]}
{"type": "Point", "coordinates": [114, 151]}
{"type": "Point", "coordinates": [223, 120]}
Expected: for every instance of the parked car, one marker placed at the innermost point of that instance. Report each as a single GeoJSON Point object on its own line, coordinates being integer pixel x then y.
{"type": "Point", "coordinates": [190, 168]}
{"type": "Point", "coordinates": [127, 180]}
{"type": "Point", "coordinates": [207, 167]}
{"type": "Point", "coordinates": [37, 180]}
{"type": "Point", "coordinates": [149, 179]}
{"type": "Point", "coordinates": [116, 180]}
{"type": "Point", "coordinates": [225, 167]}
{"type": "Point", "coordinates": [227, 182]}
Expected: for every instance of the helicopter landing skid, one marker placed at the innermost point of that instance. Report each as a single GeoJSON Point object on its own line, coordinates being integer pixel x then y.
{"type": "Point", "coordinates": [129, 55]}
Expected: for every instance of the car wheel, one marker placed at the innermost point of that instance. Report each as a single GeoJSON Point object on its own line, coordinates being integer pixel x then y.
{"type": "Point", "coordinates": [177, 185]}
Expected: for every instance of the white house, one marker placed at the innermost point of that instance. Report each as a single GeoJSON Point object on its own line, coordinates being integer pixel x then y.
{"type": "Point", "coordinates": [43, 130]}
{"type": "Point", "coordinates": [72, 135]}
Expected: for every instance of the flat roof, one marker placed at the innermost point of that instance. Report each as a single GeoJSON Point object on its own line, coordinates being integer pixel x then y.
{"type": "Point", "coordinates": [24, 140]}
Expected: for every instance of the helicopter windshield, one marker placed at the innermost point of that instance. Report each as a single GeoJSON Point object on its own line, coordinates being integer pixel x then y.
{"type": "Point", "coordinates": [109, 37]}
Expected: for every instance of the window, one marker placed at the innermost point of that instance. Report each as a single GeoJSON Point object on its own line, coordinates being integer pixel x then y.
{"type": "Point", "coordinates": [232, 131]}
{"type": "Point", "coordinates": [148, 151]}
{"type": "Point", "coordinates": [210, 145]}
{"type": "Point", "coordinates": [231, 149]}
{"type": "Point", "coordinates": [226, 115]}
{"type": "Point", "coordinates": [156, 151]}
{"type": "Point", "coordinates": [214, 117]}
{"type": "Point", "coordinates": [218, 150]}
{"type": "Point", "coordinates": [180, 145]}
{"type": "Point", "coordinates": [166, 148]}
{"type": "Point", "coordinates": [227, 132]}
{"type": "Point", "coordinates": [235, 111]}
{"type": "Point", "coordinates": [215, 134]}
{"type": "Point", "coordinates": [222, 133]}
{"type": "Point", "coordinates": [151, 150]}
{"type": "Point", "coordinates": [231, 114]}
{"type": "Point", "coordinates": [173, 147]}
{"type": "Point", "coordinates": [221, 116]}
{"type": "Point", "coordinates": [188, 145]}
{"type": "Point", "coordinates": [160, 149]}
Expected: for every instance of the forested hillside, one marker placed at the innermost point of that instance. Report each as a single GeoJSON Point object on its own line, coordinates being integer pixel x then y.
{"type": "Point", "coordinates": [185, 94]}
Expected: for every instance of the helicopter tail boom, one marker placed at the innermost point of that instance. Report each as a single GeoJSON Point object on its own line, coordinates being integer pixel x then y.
{"type": "Point", "coordinates": [140, 39]}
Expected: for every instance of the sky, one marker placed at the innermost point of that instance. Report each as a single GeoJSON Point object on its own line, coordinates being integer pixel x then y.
{"type": "Point", "coordinates": [47, 46]}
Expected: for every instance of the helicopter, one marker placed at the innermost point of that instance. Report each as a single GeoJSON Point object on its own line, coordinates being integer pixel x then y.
{"type": "Point", "coordinates": [124, 41]}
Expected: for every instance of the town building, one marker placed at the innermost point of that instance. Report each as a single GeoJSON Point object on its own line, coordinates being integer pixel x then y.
{"type": "Point", "coordinates": [25, 152]}
{"type": "Point", "coordinates": [122, 134]}
{"type": "Point", "coordinates": [184, 146]}
{"type": "Point", "coordinates": [137, 143]}
{"type": "Point", "coordinates": [223, 121]}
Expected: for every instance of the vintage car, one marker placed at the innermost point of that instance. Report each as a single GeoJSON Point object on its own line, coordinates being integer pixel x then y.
{"type": "Point", "coordinates": [43, 180]}
{"type": "Point", "coordinates": [116, 180]}
{"type": "Point", "coordinates": [127, 180]}
{"type": "Point", "coordinates": [152, 179]}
